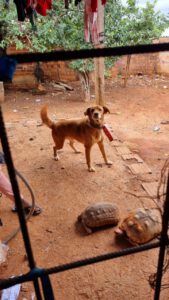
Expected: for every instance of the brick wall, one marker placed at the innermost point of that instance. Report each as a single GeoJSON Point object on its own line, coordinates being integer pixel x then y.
{"type": "Point", "coordinates": [155, 63]}
{"type": "Point", "coordinates": [59, 71]}
{"type": "Point", "coordinates": [149, 64]}
{"type": "Point", "coordinates": [139, 64]}
{"type": "Point", "coordinates": [163, 59]}
{"type": "Point", "coordinates": [24, 75]}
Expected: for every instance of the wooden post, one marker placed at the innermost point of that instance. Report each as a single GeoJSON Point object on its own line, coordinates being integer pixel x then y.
{"type": "Point", "coordinates": [127, 70]}
{"type": "Point", "coordinates": [1, 92]}
{"type": "Point", "coordinates": [99, 62]}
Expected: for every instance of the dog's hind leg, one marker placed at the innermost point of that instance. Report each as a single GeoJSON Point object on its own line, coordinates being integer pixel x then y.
{"type": "Point", "coordinates": [101, 147]}
{"type": "Point", "coordinates": [58, 145]}
{"type": "Point", "coordinates": [71, 143]}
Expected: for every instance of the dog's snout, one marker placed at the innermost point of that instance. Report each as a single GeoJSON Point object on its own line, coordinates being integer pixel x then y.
{"type": "Point", "coordinates": [96, 114]}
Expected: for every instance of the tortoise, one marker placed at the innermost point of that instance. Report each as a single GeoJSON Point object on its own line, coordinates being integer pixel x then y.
{"type": "Point", "coordinates": [141, 225]}
{"type": "Point", "coordinates": [98, 215]}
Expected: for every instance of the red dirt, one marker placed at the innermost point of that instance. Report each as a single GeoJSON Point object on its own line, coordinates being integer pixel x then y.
{"type": "Point", "coordinates": [64, 188]}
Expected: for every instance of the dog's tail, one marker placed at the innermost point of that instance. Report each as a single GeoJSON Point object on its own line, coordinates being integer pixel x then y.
{"type": "Point", "coordinates": [44, 117]}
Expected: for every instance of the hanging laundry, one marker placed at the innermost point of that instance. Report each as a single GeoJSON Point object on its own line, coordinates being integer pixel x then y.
{"type": "Point", "coordinates": [31, 13]}
{"type": "Point", "coordinates": [26, 9]}
{"type": "Point", "coordinates": [7, 68]}
{"type": "Point", "coordinates": [91, 29]}
{"type": "Point", "coordinates": [66, 4]}
{"type": "Point", "coordinates": [77, 2]}
{"type": "Point", "coordinates": [90, 23]}
{"type": "Point", "coordinates": [42, 6]}
{"type": "Point", "coordinates": [21, 9]}
{"type": "Point", "coordinates": [94, 4]}
{"type": "Point", "coordinates": [31, 3]}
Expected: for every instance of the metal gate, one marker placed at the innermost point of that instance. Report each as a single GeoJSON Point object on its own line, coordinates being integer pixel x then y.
{"type": "Point", "coordinates": [39, 276]}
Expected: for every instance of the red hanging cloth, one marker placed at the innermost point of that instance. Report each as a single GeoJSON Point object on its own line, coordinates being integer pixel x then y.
{"type": "Point", "coordinates": [94, 4]}
{"type": "Point", "coordinates": [42, 6]}
{"type": "Point", "coordinates": [104, 2]}
{"type": "Point", "coordinates": [91, 30]}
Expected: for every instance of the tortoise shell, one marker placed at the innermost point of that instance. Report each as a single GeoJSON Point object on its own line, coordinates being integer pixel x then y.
{"type": "Point", "coordinates": [141, 225]}
{"type": "Point", "coordinates": [98, 215]}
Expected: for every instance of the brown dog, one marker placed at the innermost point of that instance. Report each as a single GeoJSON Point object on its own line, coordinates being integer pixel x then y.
{"type": "Point", "coordinates": [87, 130]}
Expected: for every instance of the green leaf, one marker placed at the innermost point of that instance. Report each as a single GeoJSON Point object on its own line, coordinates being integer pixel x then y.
{"type": "Point", "coordinates": [124, 25]}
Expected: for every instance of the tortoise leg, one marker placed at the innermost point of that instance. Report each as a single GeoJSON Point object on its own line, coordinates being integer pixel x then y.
{"type": "Point", "coordinates": [88, 229]}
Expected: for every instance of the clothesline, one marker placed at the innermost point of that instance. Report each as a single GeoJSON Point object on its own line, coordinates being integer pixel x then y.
{"type": "Point", "coordinates": [30, 8]}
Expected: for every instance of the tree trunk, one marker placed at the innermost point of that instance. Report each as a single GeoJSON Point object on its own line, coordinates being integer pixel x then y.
{"type": "Point", "coordinates": [84, 79]}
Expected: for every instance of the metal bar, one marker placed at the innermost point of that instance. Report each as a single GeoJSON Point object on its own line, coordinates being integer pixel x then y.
{"type": "Point", "coordinates": [88, 53]}
{"type": "Point", "coordinates": [164, 238]}
{"type": "Point", "coordinates": [63, 56]}
{"type": "Point", "coordinates": [18, 202]}
{"type": "Point", "coordinates": [5, 283]}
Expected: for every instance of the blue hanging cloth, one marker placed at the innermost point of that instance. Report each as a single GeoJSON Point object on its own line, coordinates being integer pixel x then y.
{"type": "Point", "coordinates": [7, 68]}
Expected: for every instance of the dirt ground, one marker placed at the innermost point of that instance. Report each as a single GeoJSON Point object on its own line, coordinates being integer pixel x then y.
{"type": "Point", "coordinates": [65, 188]}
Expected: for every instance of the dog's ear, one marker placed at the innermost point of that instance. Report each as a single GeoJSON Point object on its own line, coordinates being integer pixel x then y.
{"type": "Point", "coordinates": [106, 110]}
{"type": "Point", "coordinates": [87, 112]}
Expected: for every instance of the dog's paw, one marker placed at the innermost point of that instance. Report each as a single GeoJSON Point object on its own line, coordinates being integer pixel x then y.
{"type": "Point", "coordinates": [91, 169]}
{"type": "Point", "coordinates": [77, 152]}
{"type": "Point", "coordinates": [109, 163]}
{"type": "Point", "coordinates": [56, 158]}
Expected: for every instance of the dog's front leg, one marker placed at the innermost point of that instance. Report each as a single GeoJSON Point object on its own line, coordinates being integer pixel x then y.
{"type": "Point", "coordinates": [101, 147]}
{"type": "Point", "coordinates": [56, 157]}
{"type": "Point", "coordinates": [87, 152]}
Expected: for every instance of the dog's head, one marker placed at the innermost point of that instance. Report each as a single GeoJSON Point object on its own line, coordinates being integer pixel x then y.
{"type": "Point", "coordinates": [96, 115]}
